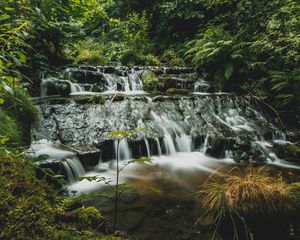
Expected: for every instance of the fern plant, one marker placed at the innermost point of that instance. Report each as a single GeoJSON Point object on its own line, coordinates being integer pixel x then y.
{"type": "Point", "coordinates": [214, 47]}
{"type": "Point", "coordinates": [285, 86]}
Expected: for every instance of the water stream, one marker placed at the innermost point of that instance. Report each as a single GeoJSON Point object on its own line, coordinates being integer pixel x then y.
{"type": "Point", "coordinates": [187, 138]}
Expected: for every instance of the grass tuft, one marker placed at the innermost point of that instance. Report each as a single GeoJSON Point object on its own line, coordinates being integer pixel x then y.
{"type": "Point", "coordinates": [249, 191]}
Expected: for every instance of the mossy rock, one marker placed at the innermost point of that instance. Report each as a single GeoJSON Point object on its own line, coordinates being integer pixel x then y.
{"type": "Point", "coordinates": [150, 81]}
{"type": "Point", "coordinates": [173, 91]}
{"type": "Point", "coordinates": [27, 204]}
{"type": "Point", "coordinates": [89, 216]}
{"type": "Point", "coordinates": [218, 145]}
{"type": "Point", "coordinates": [290, 152]}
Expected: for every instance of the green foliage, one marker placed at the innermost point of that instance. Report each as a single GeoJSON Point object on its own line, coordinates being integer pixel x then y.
{"type": "Point", "coordinates": [122, 134]}
{"type": "Point", "coordinates": [9, 131]}
{"type": "Point", "coordinates": [92, 51]}
{"type": "Point", "coordinates": [286, 87]}
{"type": "Point", "coordinates": [173, 91]}
{"type": "Point", "coordinates": [214, 47]}
{"type": "Point", "coordinates": [21, 110]}
{"type": "Point", "coordinates": [171, 58]}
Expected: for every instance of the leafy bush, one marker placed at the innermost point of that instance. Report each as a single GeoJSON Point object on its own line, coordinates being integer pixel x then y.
{"type": "Point", "coordinates": [171, 58]}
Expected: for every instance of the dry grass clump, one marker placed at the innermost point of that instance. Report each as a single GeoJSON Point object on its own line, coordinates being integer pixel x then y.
{"type": "Point", "coordinates": [249, 191]}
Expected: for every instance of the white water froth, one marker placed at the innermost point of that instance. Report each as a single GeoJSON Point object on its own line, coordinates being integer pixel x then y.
{"type": "Point", "coordinates": [54, 152]}
{"type": "Point", "coordinates": [52, 149]}
{"type": "Point", "coordinates": [175, 165]}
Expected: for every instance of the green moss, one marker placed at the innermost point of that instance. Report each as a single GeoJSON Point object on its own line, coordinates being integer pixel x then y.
{"type": "Point", "coordinates": [30, 208]}
{"type": "Point", "coordinates": [172, 91]}
{"type": "Point", "coordinates": [68, 235]}
{"type": "Point", "coordinates": [150, 81]}
{"type": "Point", "coordinates": [89, 216]}
{"type": "Point", "coordinates": [289, 152]}
{"type": "Point", "coordinates": [27, 204]}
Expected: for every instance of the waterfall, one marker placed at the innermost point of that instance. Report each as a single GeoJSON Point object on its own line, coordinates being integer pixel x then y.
{"type": "Point", "coordinates": [200, 125]}
{"type": "Point", "coordinates": [148, 147]}
{"type": "Point", "coordinates": [73, 168]}
{"type": "Point", "coordinates": [124, 150]}
{"type": "Point", "coordinates": [205, 145]}
{"type": "Point", "coordinates": [158, 147]}
{"type": "Point", "coordinates": [56, 86]}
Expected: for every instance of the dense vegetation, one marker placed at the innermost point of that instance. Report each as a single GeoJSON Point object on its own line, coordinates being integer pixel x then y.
{"type": "Point", "coordinates": [244, 46]}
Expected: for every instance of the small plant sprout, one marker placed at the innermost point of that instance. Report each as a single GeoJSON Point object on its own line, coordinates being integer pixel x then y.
{"type": "Point", "coordinates": [119, 136]}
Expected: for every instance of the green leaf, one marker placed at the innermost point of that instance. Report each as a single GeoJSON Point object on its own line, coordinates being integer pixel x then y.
{"type": "Point", "coordinates": [229, 68]}
{"type": "Point", "coordinates": [1, 101]}
{"type": "Point", "coordinates": [9, 9]}
{"type": "Point", "coordinates": [22, 58]}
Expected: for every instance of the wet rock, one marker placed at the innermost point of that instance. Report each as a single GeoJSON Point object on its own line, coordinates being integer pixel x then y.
{"type": "Point", "coordinates": [55, 86]}
{"type": "Point", "coordinates": [217, 147]}
{"type": "Point", "coordinates": [288, 152]}
{"type": "Point", "coordinates": [78, 123]}
{"type": "Point", "coordinates": [85, 76]}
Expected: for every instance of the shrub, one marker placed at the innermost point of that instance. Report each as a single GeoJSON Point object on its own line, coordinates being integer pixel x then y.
{"type": "Point", "coordinates": [90, 57]}
{"type": "Point", "coordinates": [171, 58]}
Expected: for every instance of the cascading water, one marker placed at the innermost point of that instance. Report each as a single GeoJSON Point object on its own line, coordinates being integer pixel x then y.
{"type": "Point", "coordinates": [73, 168]}
{"type": "Point", "coordinates": [88, 80]}
{"type": "Point", "coordinates": [213, 124]}
{"type": "Point", "coordinates": [53, 153]}
{"type": "Point", "coordinates": [55, 86]}
{"type": "Point", "coordinates": [187, 137]}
